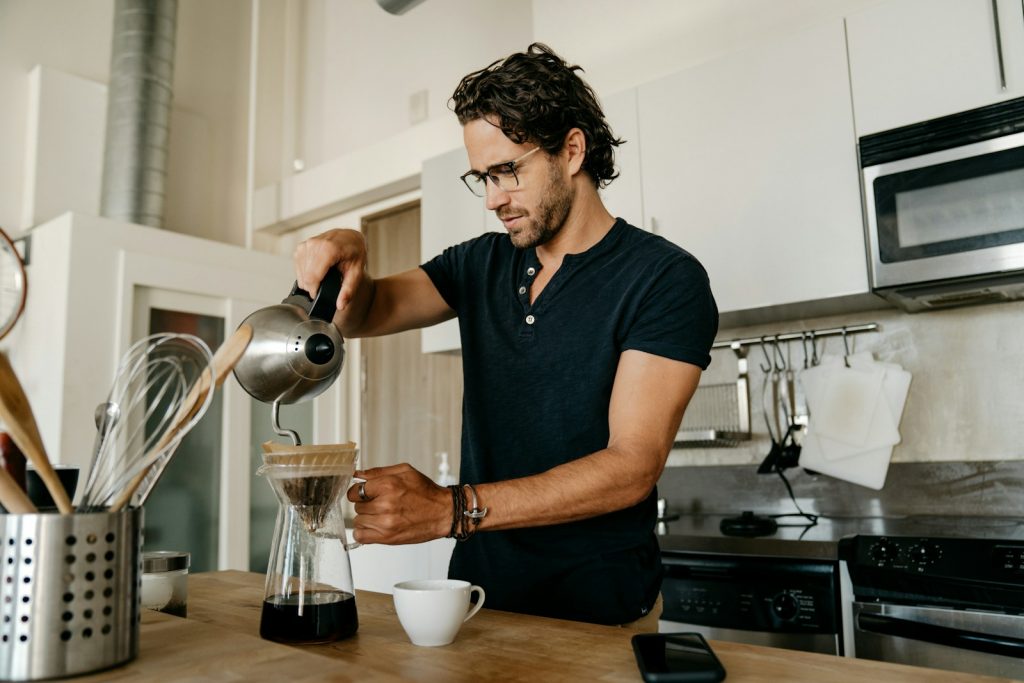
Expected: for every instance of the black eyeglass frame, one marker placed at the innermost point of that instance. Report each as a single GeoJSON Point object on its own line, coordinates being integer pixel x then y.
{"type": "Point", "coordinates": [506, 167]}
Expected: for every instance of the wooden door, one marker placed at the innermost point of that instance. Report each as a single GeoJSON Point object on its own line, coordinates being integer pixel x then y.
{"type": "Point", "coordinates": [411, 401]}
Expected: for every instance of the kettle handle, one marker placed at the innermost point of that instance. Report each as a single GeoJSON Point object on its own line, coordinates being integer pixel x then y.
{"type": "Point", "coordinates": [323, 307]}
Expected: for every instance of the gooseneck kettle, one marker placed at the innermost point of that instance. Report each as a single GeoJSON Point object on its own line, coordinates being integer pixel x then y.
{"type": "Point", "coordinates": [296, 352]}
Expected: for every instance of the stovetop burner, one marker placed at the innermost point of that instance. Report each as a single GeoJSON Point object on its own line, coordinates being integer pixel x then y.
{"type": "Point", "coordinates": [796, 537]}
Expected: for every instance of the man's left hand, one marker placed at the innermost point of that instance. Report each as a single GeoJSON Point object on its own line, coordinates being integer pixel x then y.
{"type": "Point", "coordinates": [398, 504]}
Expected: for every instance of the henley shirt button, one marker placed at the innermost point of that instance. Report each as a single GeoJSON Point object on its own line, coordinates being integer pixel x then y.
{"type": "Point", "coordinates": [522, 290]}
{"type": "Point", "coordinates": [530, 320]}
{"type": "Point", "coordinates": [531, 271]}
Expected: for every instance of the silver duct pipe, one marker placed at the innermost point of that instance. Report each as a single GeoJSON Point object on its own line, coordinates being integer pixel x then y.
{"type": "Point", "coordinates": [139, 111]}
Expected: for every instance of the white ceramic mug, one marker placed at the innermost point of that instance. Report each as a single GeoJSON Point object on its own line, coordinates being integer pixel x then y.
{"type": "Point", "coordinates": [432, 610]}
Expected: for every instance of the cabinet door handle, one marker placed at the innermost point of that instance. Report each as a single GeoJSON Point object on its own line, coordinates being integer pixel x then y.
{"type": "Point", "coordinates": [999, 44]}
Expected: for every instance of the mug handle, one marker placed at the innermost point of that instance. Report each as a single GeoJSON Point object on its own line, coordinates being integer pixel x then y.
{"type": "Point", "coordinates": [479, 602]}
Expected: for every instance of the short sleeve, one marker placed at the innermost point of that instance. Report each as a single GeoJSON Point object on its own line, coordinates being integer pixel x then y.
{"type": "Point", "coordinates": [677, 317]}
{"type": "Point", "coordinates": [445, 271]}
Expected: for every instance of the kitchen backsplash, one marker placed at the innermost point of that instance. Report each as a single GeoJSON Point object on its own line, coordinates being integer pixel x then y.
{"type": "Point", "coordinates": [966, 400]}
{"type": "Point", "coordinates": [936, 488]}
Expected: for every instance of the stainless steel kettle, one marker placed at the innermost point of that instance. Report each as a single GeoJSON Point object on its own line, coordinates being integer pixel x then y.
{"type": "Point", "coordinates": [296, 352]}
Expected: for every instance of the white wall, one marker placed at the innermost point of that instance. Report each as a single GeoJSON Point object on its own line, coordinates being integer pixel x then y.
{"type": "Point", "coordinates": [207, 158]}
{"type": "Point", "coordinates": [361, 64]}
{"type": "Point", "coordinates": [622, 44]}
{"type": "Point", "coordinates": [70, 35]}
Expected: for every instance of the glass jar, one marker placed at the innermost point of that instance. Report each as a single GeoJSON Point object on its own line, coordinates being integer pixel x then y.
{"type": "Point", "coordinates": [165, 581]}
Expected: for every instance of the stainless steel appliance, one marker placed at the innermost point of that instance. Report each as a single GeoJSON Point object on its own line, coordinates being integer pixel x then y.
{"type": "Point", "coordinates": [943, 602]}
{"type": "Point", "coordinates": [944, 208]}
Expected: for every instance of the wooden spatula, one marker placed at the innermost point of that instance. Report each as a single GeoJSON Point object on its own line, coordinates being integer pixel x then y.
{"type": "Point", "coordinates": [12, 497]}
{"type": "Point", "coordinates": [224, 361]}
{"type": "Point", "coordinates": [16, 413]}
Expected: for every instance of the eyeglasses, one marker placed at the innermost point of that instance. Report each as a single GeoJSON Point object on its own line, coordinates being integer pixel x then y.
{"type": "Point", "coordinates": [503, 176]}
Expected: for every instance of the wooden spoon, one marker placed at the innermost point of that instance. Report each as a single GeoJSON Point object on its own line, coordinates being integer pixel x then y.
{"type": "Point", "coordinates": [12, 497]}
{"type": "Point", "coordinates": [224, 361]}
{"type": "Point", "coordinates": [16, 413]}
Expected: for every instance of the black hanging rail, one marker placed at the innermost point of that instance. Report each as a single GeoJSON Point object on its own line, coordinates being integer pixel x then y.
{"type": "Point", "coordinates": [797, 336]}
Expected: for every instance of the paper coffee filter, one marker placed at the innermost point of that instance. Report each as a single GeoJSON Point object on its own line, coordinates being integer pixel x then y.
{"type": "Point", "coordinates": [330, 455]}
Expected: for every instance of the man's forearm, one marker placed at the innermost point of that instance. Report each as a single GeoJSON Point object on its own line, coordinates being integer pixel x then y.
{"type": "Point", "coordinates": [352, 320]}
{"type": "Point", "coordinates": [599, 483]}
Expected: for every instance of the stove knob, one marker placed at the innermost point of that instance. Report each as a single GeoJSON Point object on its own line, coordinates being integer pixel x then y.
{"type": "Point", "coordinates": [882, 552]}
{"type": "Point", "coordinates": [785, 606]}
{"type": "Point", "coordinates": [924, 554]}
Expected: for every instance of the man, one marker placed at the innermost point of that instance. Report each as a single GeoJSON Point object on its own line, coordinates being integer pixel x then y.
{"type": "Point", "coordinates": [583, 339]}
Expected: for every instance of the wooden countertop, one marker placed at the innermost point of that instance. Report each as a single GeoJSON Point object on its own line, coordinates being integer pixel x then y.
{"type": "Point", "coordinates": [219, 641]}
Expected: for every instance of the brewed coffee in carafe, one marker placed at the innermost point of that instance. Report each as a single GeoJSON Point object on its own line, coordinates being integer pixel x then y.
{"type": "Point", "coordinates": [309, 596]}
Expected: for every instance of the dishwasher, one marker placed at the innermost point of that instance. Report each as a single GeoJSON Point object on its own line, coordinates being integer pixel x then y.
{"type": "Point", "coordinates": [782, 602]}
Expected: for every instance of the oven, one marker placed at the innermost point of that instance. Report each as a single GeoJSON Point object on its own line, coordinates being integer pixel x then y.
{"type": "Point", "coordinates": [782, 602]}
{"type": "Point", "coordinates": [947, 603]}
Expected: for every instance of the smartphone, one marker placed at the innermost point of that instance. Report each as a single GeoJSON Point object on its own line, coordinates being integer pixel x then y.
{"type": "Point", "coordinates": [676, 658]}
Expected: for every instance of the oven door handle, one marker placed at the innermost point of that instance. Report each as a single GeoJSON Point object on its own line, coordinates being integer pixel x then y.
{"type": "Point", "coordinates": [941, 635]}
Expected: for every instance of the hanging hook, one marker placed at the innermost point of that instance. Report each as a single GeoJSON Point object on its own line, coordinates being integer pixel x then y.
{"type": "Point", "coordinates": [815, 360]}
{"type": "Point", "coordinates": [779, 366]}
{"type": "Point", "coordinates": [803, 345]}
{"type": "Point", "coordinates": [764, 352]}
{"type": "Point", "coordinates": [846, 348]}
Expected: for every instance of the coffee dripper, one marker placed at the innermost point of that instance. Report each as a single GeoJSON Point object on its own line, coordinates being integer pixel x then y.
{"type": "Point", "coordinates": [302, 602]}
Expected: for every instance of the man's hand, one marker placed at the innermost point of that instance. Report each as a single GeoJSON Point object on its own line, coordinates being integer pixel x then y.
{"type": "Point", "coordinates": [343, 249]}
{"type": "Point", "coordinates": [401, 506]}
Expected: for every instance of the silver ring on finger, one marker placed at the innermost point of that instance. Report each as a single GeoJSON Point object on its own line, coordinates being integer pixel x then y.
{"type": "Point", "coordinates": [362, 492]}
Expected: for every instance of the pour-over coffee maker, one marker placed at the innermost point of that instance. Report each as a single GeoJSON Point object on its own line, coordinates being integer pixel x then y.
{"type": "Point", "coordinates": [302, 603]}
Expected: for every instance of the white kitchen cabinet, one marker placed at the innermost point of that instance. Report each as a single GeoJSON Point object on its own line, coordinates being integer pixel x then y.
{"type": "Point", "coordinates": [449, 214]}
{"type": "Point", "coordinates": [914, 60]}
{"type": "Point", "coordinates": [749, 163]}
{"type": "Point", "coordinates": [624, 196]}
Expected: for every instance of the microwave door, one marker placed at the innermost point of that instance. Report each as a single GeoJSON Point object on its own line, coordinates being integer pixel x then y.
{"type": "Point", "coordinates": [950, 214]}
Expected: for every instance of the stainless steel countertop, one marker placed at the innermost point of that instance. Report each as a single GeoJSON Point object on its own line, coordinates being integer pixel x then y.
{"type": "Point", "coordinates": [793, 539]}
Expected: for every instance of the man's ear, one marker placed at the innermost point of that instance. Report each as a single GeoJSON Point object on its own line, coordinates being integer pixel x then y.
{"type": "Point", "coordinates": [575, 149]}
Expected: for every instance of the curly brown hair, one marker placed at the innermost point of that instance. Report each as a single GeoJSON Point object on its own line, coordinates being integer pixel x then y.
{"type": "Point", "coordinates": [537, 96]}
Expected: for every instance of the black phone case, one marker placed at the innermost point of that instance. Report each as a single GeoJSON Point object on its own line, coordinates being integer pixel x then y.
{"type": "Point", "coordinates": [710, 675]}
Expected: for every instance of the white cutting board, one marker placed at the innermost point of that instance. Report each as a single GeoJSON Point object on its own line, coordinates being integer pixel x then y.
{"type": "Point", "coordinates": [866, 466]}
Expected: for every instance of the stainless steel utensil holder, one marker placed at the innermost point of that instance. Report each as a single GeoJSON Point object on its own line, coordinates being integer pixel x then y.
{"type": "Point", "coordinates": [69, 593]}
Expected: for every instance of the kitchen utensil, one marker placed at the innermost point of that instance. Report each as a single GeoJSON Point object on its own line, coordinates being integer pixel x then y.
{"type": "Point", "coordinates": [13, 284]}
{"type": "Point", "coordinates": [12, 497]}
{"type": "Point", "coordinates": [16, 413]}
{"type": "Point", "coordinates": [12, 459]}
{"type": "Point", "coordinates": [296, 352]}
{"type": "Point", "coordinates": [150, 388]}
{"type": "Point", "coordinates": [300, 604]}
{"type": "Point", "coordinates": [71, 593]}
{"type": "Point", "coordinates": [213, 376]}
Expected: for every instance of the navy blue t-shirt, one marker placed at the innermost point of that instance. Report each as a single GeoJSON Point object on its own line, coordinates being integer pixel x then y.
{"type": "Point", "coordinates": [537, 386]}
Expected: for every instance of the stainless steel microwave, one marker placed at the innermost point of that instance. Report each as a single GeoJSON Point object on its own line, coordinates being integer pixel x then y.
{"type": "Point", "coordinates": [944, 208]}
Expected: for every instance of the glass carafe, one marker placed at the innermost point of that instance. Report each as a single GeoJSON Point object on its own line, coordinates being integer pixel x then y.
{"type": "Point", "coordinates": [309, 595]}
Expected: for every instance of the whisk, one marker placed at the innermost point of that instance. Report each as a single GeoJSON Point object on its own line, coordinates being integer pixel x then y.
{"type": "Point", "coordinates": [151, 385]}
